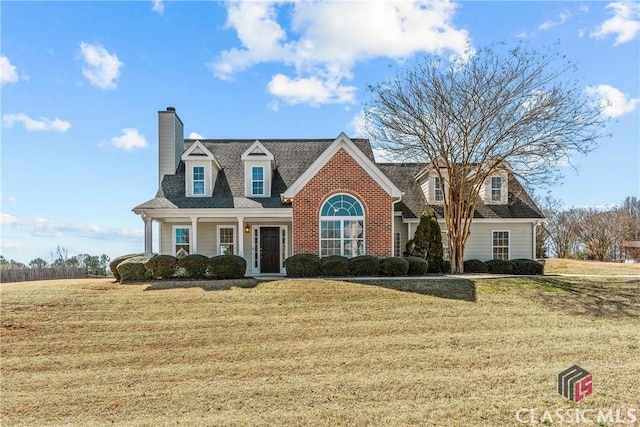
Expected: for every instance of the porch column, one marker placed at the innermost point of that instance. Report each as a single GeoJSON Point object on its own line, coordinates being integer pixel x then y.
{"type": "Point", "coordinates": [194, 235]}
{"type": "Point", "coordinates": [148, 235]}
{"type": "Point", "coordinates": [240, 236]}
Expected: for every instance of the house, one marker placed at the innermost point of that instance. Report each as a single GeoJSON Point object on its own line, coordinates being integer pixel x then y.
{"type": "Point", "coordinates": [266, 200]}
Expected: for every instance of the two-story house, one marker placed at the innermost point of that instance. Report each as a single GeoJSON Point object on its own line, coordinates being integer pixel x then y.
{"type": "Point", "coordinates": [266, 200]}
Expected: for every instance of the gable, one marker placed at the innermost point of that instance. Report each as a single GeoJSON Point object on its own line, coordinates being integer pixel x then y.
{"type": "Point", "coordinates": [343, 143]}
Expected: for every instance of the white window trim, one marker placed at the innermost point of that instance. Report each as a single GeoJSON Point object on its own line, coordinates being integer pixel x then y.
{"type": "Point", "coordinates": [264, 184]}
{"type": "Point", "coordinates": [435, 189]}
{"type": "Point", "coordinates": [235, 238]}
{"type": "Point", "coordinates": [508, 243]}
{"type": "Point", "coordinates": [193, 180]}
{"type": "Point", "coordinates": [175, 243]}
{"type": "Point", "coordinates": [491, 189]}
{"type": "Point", "coordinates": [342, 219]}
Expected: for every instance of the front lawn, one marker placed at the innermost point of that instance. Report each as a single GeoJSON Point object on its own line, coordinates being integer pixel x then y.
{"type": "Point", "coordinates": [313, 352]}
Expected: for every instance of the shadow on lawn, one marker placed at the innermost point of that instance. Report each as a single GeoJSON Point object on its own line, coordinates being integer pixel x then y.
{"type": "Point", "coordinates": [207, 285]}
{"type": "Point", "coordinates": [607, 297]}
{"type": "Point", "coordinates": [458, 289]}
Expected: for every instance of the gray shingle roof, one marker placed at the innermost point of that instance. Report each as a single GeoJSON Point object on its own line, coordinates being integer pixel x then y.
{"type": "Point", "coordinates": [520, 204]}
{"type": "Point", "coordinates": [292, 159]}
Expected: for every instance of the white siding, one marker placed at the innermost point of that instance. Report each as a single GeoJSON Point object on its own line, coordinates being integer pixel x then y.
{"type": "Point", "coordinates": [400, 227]}
{"type": "Point", "coordinates": [479, 245]}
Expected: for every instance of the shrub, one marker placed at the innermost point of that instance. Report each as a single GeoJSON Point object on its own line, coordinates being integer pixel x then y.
{"type": "Point", "coordinates": [302, 265]}
{"type": "Point", "coordinates": [195, 266]}
{"type": "Point", "coordinates": [394, 266]}
{"type": "Point", "coordinates": [161, 266]}
{"type": "Point", "coordinates": [417, 266]}
{"type": "Point", "coordinates": [475, 266]}
{"type": "Point", "coordinates": [334, 265]}
{"type": "Point", "coordinates": [364, 265]}
{"type": "Point", "coordinates": [133, 269]}
{"type": "Point", "coordinates": [499, 266]}
{"type": "Point", "coordinates": [113, 265]}
{"type": "Point", "coordinates": [227, 267]}
{"type": "Point", "coordinates": [446, 266]}
{"type": "Point", "coordinates": [526, 266]}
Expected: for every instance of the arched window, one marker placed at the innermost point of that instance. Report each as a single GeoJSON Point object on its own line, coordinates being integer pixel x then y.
{"type": "Point", "coordinates": [342, 227]}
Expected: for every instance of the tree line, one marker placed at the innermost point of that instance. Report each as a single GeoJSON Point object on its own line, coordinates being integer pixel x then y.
{"type": "Point", "coordinates": [590, 233]}
{"type": "Point", "coordinates": [96, 265]}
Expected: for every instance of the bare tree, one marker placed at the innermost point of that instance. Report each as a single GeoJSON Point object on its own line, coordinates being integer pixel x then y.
{"type": "Point", "coordinates": [629, 225]}
{"type": "Point", "coordinates": [597, 230]}
{"type": "Point", "coordinates": [494, 108]}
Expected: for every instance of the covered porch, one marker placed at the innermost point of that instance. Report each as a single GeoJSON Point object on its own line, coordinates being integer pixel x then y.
{"type": "Point", "coordinates": [262, 238]}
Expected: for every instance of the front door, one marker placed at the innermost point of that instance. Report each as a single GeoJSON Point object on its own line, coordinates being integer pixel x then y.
{"type": "Point", "coordinates": [269, 250]}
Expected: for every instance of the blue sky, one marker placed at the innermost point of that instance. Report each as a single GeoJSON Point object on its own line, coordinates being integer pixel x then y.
{"type": "Point", "coordinates": [82, 83]}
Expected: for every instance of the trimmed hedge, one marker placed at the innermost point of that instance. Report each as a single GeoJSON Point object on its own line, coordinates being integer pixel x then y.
{"type": "Point", "coordinates": [334, 265]}
{"type": "Point", "coordinates": [195, 266]}
{"type": "Point", "coordinates": [226, 267]}
{"type": "Point", "coordinates": [475, 266]}
{"type": "Point", "coordinates": [161, 266]}
{"type": "Point", "coordinates": [394, 266]}
{"type": "Point", "coordinates": [526, 266]}
{"type": "Point", "coordinates": [364, 265]}
{"type": "Point", "coordinates": [113, 265]}
{"type": "Point", "coordinates": [499, 266]}
{"type": "Point", "coordinates": [303, 265]}
{"type": "Point", "coordinates": [417, 266]}
{"type": "Point", "coordinates": [446, 266]}
{"type": "Point", "coordinates": [133, 269]}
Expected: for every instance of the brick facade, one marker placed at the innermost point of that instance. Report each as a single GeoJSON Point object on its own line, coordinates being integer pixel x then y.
{"type": "Point", "coordinates": [342, 174]}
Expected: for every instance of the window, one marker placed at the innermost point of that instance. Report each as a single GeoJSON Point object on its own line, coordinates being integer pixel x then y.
{"type": "Point", "coordinates": [437, 190]}
{"type": "Point", "coordinates": [257, 181]}
{"type": "Point", "coordinates": [342, 227]}
{"type": "Point", "coordinates": [396, 245]}
{"type": "Point", "coordinates": [198, 180]}
{"type": "Point", "coordinates": [182, 241]}
{"type": "Point", "coordinates": [226, 240]}
{"type": "Point", "coordinates": [501, 245]}
{"type": "Point", "coordinates": [496, 188]}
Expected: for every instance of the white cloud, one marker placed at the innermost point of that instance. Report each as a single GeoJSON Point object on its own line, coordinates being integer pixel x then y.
{"type": "Point", "coordinates": [614, 102]}
{"type": "Point", "coordinates": [5, 198]}
{"type": "Point", "coordinates": [312, 90]}
{"type": "Point", "coordinates": [195, 135]}
{"type": "Point", "coordinates": [358, 125]}
{"type": "Point", "coordinates": [101, 68]}
{"type": "Point", "coordinates": [42, 227]}
{"type": "Point", "coordinates": [129, 140]}
{"type": "Point", "coordinates": [8, 72]}
{"type": "Point", "coordinates": [328, 38]}
{"type": "Point", "coordinates": [562, 18]}
{"type": "Point", "coordinates": [625, 23]}
{"type": "Point", "coordinates": [33, 125]}
{"type": "Point", "coordinates": [158, 6]}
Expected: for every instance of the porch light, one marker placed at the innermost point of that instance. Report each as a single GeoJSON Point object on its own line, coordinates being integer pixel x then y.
{"type": "Point", "coordinates": [247, 228]}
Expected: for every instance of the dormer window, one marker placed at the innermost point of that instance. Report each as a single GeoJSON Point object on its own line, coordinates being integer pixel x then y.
{"type": "Point", "coordinates": [437, 189]}
{"type": "Point", "coordinates": [258, 166]}
{"type": "Point", "coordinates": [198, 180]}
{"type": "Point", "coordinates": [496, 188]}
{"type": "Point", "coordinates": [201, 170]}
{"type": "Point", "coordinates": [257, 181]}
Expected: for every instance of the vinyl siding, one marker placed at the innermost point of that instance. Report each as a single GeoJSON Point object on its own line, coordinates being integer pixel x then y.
{"type": "Point", "coordinates": [479, 244]}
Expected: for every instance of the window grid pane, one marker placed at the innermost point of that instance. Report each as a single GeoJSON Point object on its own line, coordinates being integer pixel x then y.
{"type": "Point", "coordinates": [257, 180]}
{"type": "Point", "coordinates": [438, 196]}
{"type": "Point", "coordinates": [496, 188]}
{"type": "Point", "coordinates": [226, 241]}
{"type": "Point", "coordinates": [501, 245]}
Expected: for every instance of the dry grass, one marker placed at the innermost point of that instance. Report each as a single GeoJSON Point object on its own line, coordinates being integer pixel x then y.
{"type": "Point", "coordinates": [314, 352]}
{"type": "Point", "coordinates": [574, 266]}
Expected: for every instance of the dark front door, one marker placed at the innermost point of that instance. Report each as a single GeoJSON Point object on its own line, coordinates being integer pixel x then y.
{"type": "Point", "coordinates": [269, 250]}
